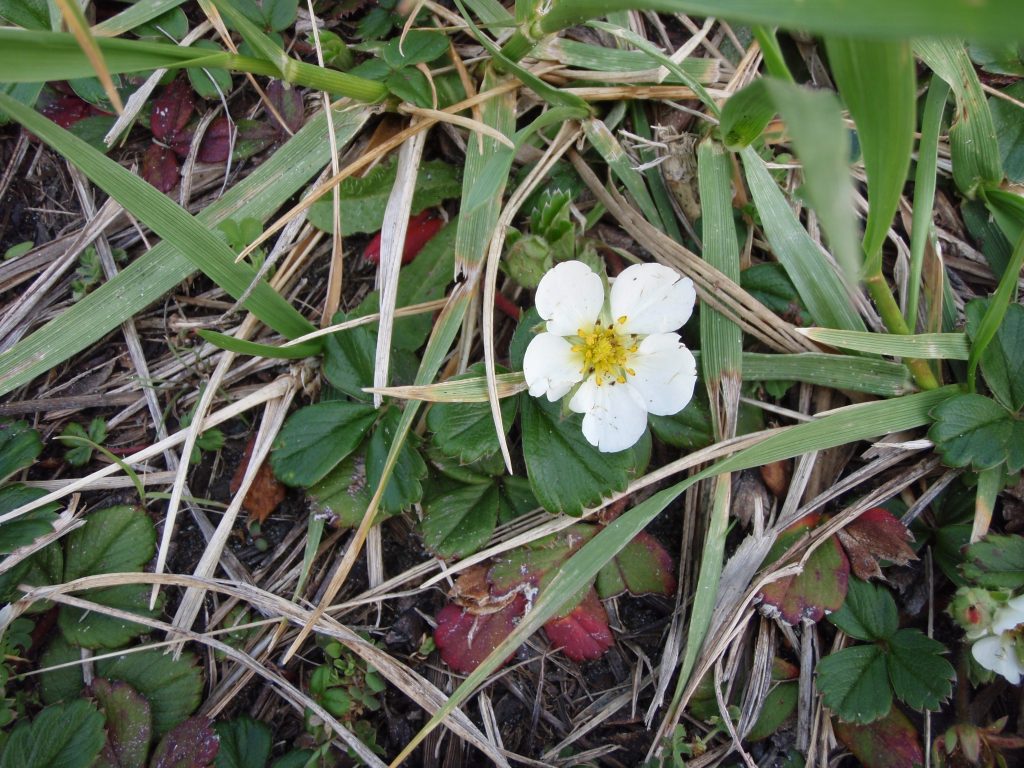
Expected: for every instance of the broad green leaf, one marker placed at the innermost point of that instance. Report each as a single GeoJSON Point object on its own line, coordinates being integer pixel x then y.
{"type": "Point", "coordinates": [172, 686]}
{"type": "Point", "coordinates": [972, 135]}
{"type": "Point", "coordinates": [1008, 121]}
{"type": "Point", "coordinates": [819, 287]}
{"type": "Point", "coordinates": [129, 724]}
{"type": "Point", "coordinates": [19, 446]}
{"type": "Point", "coordinates": [417, 47]}
{"type": "Point", "coordinates": [164, 267]}
{"type": "Point", "coordinates": [746, 114]}
{"type": "Point", "coordinates": [996, 562]}
{"type": "Point", "coordinates": [364, 199]}
{"type": "Point", "coordinates": [244, 743]}
{"type": "Point", "coordinates": [113, 540]}
{"type": "Point", "coordinates": [690, 429]}
{"type": "Point", "coordinates": [61, 736]}
{"type": "Point", "coordinates": [877, 81]}
{"type": "Point", "coordinates": [458, 523]}
{"type": "Point", "coordinates": [779, 705]}
{"type": "Point", "coordinates": [1002, 362]}
{"type": "Point", "coordinates": [316, 438]}
{"type": "Point", "coordinates": [209, 82]}
{"type": "Point", "coordinates": [92, 629]}
{"type": "Point", "coordinates": [168, 220]}
{"type": "Point", "coordinates": [869, 612]}
{"type": "Point", "coordinates": [567, 473]}
{"type": "Point", "coordinates": [920, 676]}
{"type": "Point", "coordinates": [404, 487]}
{"type": "Point", "coordinates": [854, 683]}
{"type": "Point", "coordinates": [343, 494]}
{"type": "Point", "coordinates": [465, 430]}
{"type": "Point", "coordinates": [972, 430]}
{"type": "Point", "coordinates": [27, 528]}
{"type": "Point", "coordinates": [643, 567]}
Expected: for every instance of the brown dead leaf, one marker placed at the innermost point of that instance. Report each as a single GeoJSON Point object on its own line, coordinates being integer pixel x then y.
{"type": "Point", "coordinates": [876, 535]}
{"type": "Point", "coordinates": [264, 494]}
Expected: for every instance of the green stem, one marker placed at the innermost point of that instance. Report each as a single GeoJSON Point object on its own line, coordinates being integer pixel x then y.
{"type": "Point", "coordinates": [774, 61]}
{"type": "Point", "coordinates": [895, 323]}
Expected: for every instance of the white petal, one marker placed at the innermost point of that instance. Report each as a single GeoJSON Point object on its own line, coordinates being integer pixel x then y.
{"type": "Point", "coordinates": [654, 299]}
{"type": "Point", "coordinates": [614, 417]}
{"type": "Point", "coordinates": [551, 367]}
{"type": "Point", "coordinates": [1009, 616]}
{"type": "Point", "coordinates": [665, 373]}
{"type": "Point", "coordinates": [997, 653]}
{"type": "Point", "coordinates": [570, 297]}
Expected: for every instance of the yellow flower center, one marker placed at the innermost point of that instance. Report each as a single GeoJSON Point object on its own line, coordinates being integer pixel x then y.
{"type": "Point", "coordinates": [605, 351]}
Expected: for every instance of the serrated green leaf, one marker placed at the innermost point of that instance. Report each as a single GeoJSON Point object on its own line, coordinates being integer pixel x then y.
{"type": "Point", "coordinates": [996, 562]}
{"type": "Point", "coordinates": [19, 446]}
{"type": "Point", "coordinates": [343, 491]}
{"type": "Point", "coordinates": [316, 438]}
{"type": "Point", "coordinates": [920, 676]}
{"type": "Point", "coordinates": [854, 683]}
{"type": "Point", "coordinates": [92, 629]}
{"type": "Point", "coordinates": [458, 523]}
{"type": "Point", "coordinates": [466, 430]}
{"type": "Point", "coordinates": [244, 743]}
{"type": "Point", "coordinates": [364, 199]}
{"type": "Point", "coordinates": [113, 540]}
{"type": "Point", "coordinates": [172, 686]}
{"type": "Point", "coordinates": [61, 736]}
{"type": "Point", "coordinates": [410, 85]}
{"type": "Point", "coordinates": [1002, 362]}
{"type": "Point", "coordinates": [869, 612]}
{"type": "Point", "coordinates": [566, 472]}
{"type": "Point", "coordinates": [644, 566]}
{"type": "Point", "coordinates": [975, 431]}
{"type": "Point", "coordinates": [27, 528]}
{"type": "Point", "coordinates": [404, 488]}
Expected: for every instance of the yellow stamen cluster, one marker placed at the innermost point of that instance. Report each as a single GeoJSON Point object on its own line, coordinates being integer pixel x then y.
{"type": "Point", "coordinates": [605, 352]}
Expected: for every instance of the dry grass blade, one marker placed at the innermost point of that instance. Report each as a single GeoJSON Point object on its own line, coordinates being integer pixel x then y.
{"type": "Point", "coordinates": [79, 27]}
{"type": "Point", "coordinates": [462, 391]}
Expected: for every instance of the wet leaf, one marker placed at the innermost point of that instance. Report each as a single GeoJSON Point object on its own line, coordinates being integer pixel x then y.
{"type": "Point", "coordinates": [129, 724]}
{"type": "Point", "coordinates": [876, 535]}
{"type": "Point", "coordinates": [465, 639]}
{"type": "Point", "coordinates": [160, 167]}
{"type": "Point", "coordinates": [172, 110]}
{"type": "Point", "coordinates": [287, 100]}
{"type": "Point", "coordinates": [891, 742]}
{"type": "Point", "coordinates": [643, 566]}
{"type": "Point", "coordinates": [583, 633]}
{"type": "Point", "coordinates": [191, 744]}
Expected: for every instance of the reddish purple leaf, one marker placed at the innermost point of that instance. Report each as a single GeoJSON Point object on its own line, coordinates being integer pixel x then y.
{"type": "Point", "coordinates": [583, 633]}
{"type": "Point", "coordinates": [160, 167]}
{"type": "Point", "coordinates": [250, 137]}
{"type": "Point", "coordinates": [819, 589]}
{"type": "Point", "coordinates": [253, 137]}
{"type": "Point", "coordinates": [422, 227]}
{"type": "Point", "coordinates": [65, 111]}
{"type": "Point", "coordinates": [216, 146]}
{"type": "Point", "coordinates": [643, 566]}
{"type": "Point", "coordinates": [171, 111]}
{"type": "Point", "coordinates": [891, 742]}
{"type": "Point", "coordinates": [876, 535]}
{"type": "Point", "coordinates": [288, 103]}
{"type": "Point", "coordinates": [129, 724]}
{"type": "Point", "coordinates": [465, 638]}
{"type": "Point", "coordinates": [192, 744]}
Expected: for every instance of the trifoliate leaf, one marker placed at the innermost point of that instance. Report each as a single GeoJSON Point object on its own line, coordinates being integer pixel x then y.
{"type": "Point", "coordinates": [869, 612]}
{"type": "Point", "coordinates": [172, 686]}
{"type": "Point", "coordinates": [854, 683]}
{"type": "Point", "coordinates": [315, 439]}
{"type": "Point", "coordinates": [64, 735]}
{"type": "Point", "coordinates": [973, 430]}
{"type": "Point", "coordinates": [920, 676]}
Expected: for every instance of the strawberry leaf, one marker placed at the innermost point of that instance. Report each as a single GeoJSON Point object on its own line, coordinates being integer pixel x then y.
{"type": "Point", "coordinates": [171, 111]}
{"type": "Point", "coordinates": [466, 430]}
{"type": "Point", "coordinates": [891, 742]}
{"type": "Point", "coordinates": [876, 535]}
{"type": "Point", "coordinates": [869, 612]}
{"type": "Point", "coordinates": [582, 633]}
{"type": "Point", "coordinates": [287, 100]}
{"type": "Point", "coordinates": [459, 522]}
{"type": "Point", "coordinates": [316, 438]}
{"type": "Point", "coordinates": [996, 562]}
{"type": "Point", "coordinates": [643, 566]}
{"type": "Point", "coordinates": [975, 431]}
{"type": "Point", "coordinates": [129, 724]}
{"type": "Point", "coordinates": [1002, 362]}
{"type": "Point", "coordinates": [160, 167]}
{"type": "Point", "coordinates": [854, 683]}
{"type": "Point", "coordinates": [819, 589]}
{"type": "Point", "coordinates": [192, 744]}
{"type": "Point", "coordinates": [919, 674]}
{"type": "Point", "coordinates": [465, 638]}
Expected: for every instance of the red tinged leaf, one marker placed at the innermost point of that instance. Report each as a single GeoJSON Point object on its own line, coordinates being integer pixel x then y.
{"type": "Point", "coordinates": [160, 167]}
{"type": "Point", "coordinates": [819, 589]}
{"type": "Point", "coordinates": [288, 103]}
{"type": "Point", "coordinates": [530, 564]}
{"type": "Point", "coordinates": [876, 535]}
{"type": "Point", "coordinates": [172, 110]}
{"type": "Point", "coordinates": [583, 633]}
{"type": "Point", "coordinates": [422, 227]}
{"type": "Point", "coordinates": [65, 111]}
{"type": "Point", "coordinates": [216, 146]}
{"type": "Point", "coordinates": [129, 724]}
{"type": "Point", "coordinates": [250, 137]}
{"type": "Point", "coordinates": [265, 493]}
{"type": "Point", "coordinates": [465, 638]}
{"type": "Point", "coordinates": [891, 742]}
{"type": "Point", "coordinates": [192, 744]}
{"type": "Point", "coordinates": [643, 566]}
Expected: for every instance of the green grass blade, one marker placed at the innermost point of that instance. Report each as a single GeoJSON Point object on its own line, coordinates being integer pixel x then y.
{"type": "Point", "coordinates": [168, 220]}
{"type": "Point", "coordinates": [859, 374]}
{"type": "Point", "coordinates": [820, 288]}
{"type": "Point", "coordinates": [246, 347]}
{"type": "Point", "coordinates": [933, 346]}
{"type": "Point", "coordinates": [857, 422]}
{"type": "Point", "coordinates": [924, 191]}
{"type": "Point", "coordinates": [615, 156]}
{"type": "Point", "coordinates": [163, 267]}
{"type": "Point", "coordinates": [876, 80]}
{"type": "Point", "coordinates": [1006, 293]}
{"type": "Point", "coordinates": [972, 135]}
{"type": "Point", "coordinates": [133, 16]}
{"type": "Point", "coordinates": [574, 53]}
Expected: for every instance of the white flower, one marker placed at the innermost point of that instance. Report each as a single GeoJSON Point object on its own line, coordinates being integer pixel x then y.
{"type": "Point", "coordinates": [999, 652]}
{"type": "Point", "coordinates": [618, 356]}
